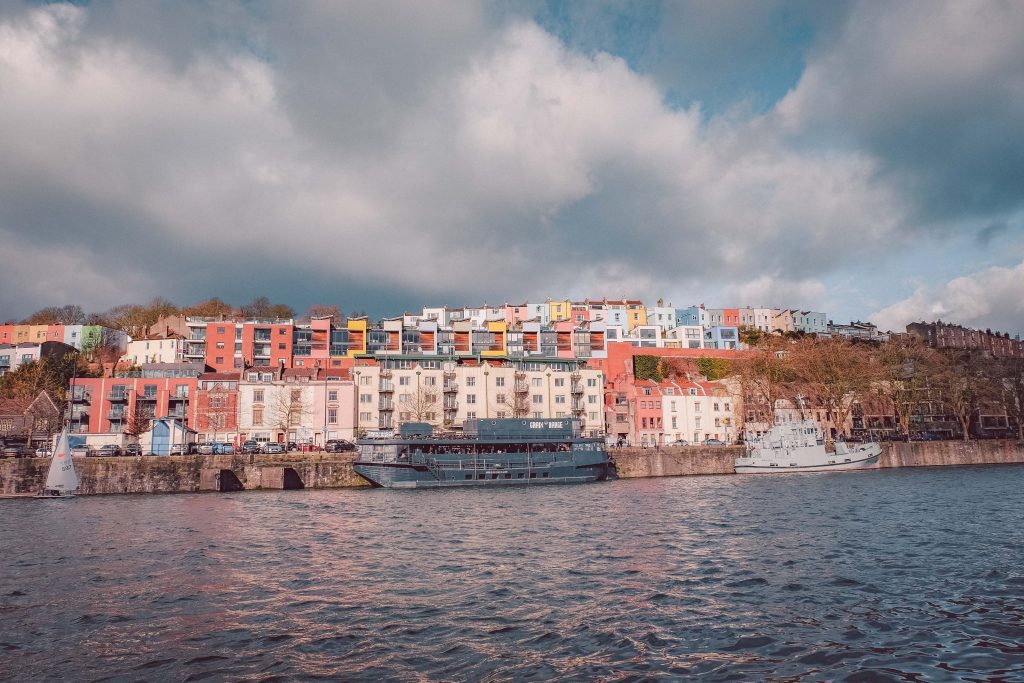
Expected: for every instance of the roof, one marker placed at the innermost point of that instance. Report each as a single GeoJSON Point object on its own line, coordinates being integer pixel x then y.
{"type": "Point", "coordinates": [219, 376]}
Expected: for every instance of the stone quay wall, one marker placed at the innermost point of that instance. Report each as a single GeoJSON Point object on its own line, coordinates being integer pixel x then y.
{"type": "Point", "coordinates": [177, 474]}
{"type": "Point", "coordinates": [694, 460]}
{"type": "Point", "coordinates": [185, 474]}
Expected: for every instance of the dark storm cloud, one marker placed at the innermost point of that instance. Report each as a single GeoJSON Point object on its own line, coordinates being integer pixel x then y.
{"type": "Point", "coordinates": [388, 155]}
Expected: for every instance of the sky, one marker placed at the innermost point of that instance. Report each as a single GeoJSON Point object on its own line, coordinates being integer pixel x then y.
{"type": "Point", "coordinates": [865, 159]}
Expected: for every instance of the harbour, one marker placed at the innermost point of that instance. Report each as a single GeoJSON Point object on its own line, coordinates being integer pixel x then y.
{"type": "Point", "coordinates": [890, 574]}
{"type": "Point", "coordinates": [23, 477]}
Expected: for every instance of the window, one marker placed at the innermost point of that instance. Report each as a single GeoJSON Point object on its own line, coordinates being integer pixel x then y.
{"type": "Point", "coordinates": [559, 381]}
{"type": "Point", "coordinates": [364, 381]}
{"type": "Point", "coordinates": [332, 395]}
{"type": "Point", "coordinates": [470, 414]}
{"type": "Point", "coordinates": [403, 381]}
{"type": "Point", "coordinates": [537, 382]}
{"type": "Point", "coordinates": [219, 360]}
{"type": "Point", "coordinates": [727, 407]}
{"type": "Point", "coordinates": [591, 399]}
{"type": "Point", "coordinates": [366, 398]}
{"type": "Point", "coordinates": [560, 398]}
{"type": "Point", "coordinates": [220, 330]}
{"type": "Point", "coordinates": [470, 398]}
{"type": "Point", "coordinates": [500, 398]}
{"type": "Point", "coordinates": [218, 401]}
{"type": "Point", "coordinates": [499, 381]}
{"type": "Point", "coordinates": [538, 415]}
{"type": "Point", "coordinates": [257, 417]}
{"type": "Point", "coordinates": [282, 332]}
{"type": "Point", "coordinates": [257, 396]}
{"type": "Point", "coordinates": [716, 407]}
{"type": "Point", "coordinates": [429, 381]}
{"type": "Point", "coordinates": [332, 416]}
{"type": "Point", "coordinates": [365, 417]}
{"type": "Point", "coordinates": [220, 345]}
{"type": "Point", "coordinates": [501, 415]}
{"type": "Point", "coordinates": [538, 398]}
{"type": "Point", "coordinates": [281, 346]}
{"type": "Point", "coordinates": [696, 406]}
{"type": "Point", "coordinates": [471, 381]}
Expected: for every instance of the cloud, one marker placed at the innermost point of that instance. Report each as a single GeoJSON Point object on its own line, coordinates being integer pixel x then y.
{"type": "Point", "coordinates": [413, 154]}
{"type": "Point", "coordinates": [992, 298]}
{"type": "Point", "coordinates": [933, 91]}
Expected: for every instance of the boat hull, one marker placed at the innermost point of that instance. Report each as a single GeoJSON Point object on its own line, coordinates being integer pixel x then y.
{"type": "Point", "coordinates": [835, 463]}
{"type": "Point", "coordinates": [414, 475]}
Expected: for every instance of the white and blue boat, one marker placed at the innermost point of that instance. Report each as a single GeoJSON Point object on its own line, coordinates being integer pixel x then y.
{"type": "Point", "coordinates": [500, 452]}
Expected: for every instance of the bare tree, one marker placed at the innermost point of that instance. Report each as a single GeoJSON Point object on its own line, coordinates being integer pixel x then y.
{"type": "Point", "coordinates": [833, 374]}
{"type": "Point", "coordinates": [965, 380]}
{"type": "Point", "coordinates": [288, 409]}
{"type": "Point", "coordinates": [422, 404]}
{"type": "Point", "coordinates": [903, 371]}
{"type": "Point", "coordinates": [763, 380]}
{"type": "Point", "coordinates": [139, 421]}
{"type": "Point", "coordinates": [1011, 388]}
{"type": "Point", "coordinates": [515, 403]}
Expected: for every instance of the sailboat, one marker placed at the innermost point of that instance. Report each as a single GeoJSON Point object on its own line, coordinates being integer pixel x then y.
{"type": "Point", "coordinates": [61, 480]}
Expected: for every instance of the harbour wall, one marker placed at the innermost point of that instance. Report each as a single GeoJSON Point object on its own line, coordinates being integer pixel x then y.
{"type": "Point", "coordinates": [187, 474]}
{"type": "Point", "coordinates": [696, 460]}
{"type": "Point", "coordinates": [177, 474]}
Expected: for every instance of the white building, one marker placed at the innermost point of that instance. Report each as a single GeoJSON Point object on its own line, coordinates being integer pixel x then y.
{"type": "Point", "coordinates": [155, 350]}
{"type": "Point", "coordinates": [696, 411]}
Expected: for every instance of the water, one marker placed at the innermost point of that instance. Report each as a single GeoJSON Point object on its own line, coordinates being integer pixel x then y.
{"type": "Point", "coordinates": [909, 575]}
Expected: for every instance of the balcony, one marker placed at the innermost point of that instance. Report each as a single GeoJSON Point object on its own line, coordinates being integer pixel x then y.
{"type": "Point", "coordinates": [448, 376]}
{"type": "Point", "coordinates": [577, 388]}
{"type": "Point", "coordinates": [451, 405]}
{"type": "Point", "coordinates": [522, 388]}
{"type": "Point", "coordinates": [386, 388]}
{"type": "Point", "coordinates": [116, 415]}
{"type": "Point", "coordinates": [81, 397]}
{"type": "Point", "coordinates": [386, 406]}
{"type": "Point", "coordinates": [385, 373]}
{"type": "Point", "coordinates": [78, 413]}
{"type": "Point", "coordinates": [578, 407]}
{"type": "Point", "coordinates": [118, 396]}
{"type": "Point", "coordinates": [575, 377]}
{"type": "Point", "coordinates": [451, 387]}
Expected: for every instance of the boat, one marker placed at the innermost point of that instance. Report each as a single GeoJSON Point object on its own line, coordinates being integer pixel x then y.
{"type": "Point", "coordinates": [498, 452]}
{"type": "Point", "coordinates": [798, 447]}
{"type": "Point", "coordinates": [61, 480]}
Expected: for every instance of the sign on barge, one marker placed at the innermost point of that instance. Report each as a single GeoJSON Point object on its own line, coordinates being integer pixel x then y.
{"type": "Point", "coordinates": [500, 452]}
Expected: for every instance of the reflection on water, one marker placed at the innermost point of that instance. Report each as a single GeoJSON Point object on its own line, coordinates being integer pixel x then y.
{"type": "Point", "coordinates": [886, 575]}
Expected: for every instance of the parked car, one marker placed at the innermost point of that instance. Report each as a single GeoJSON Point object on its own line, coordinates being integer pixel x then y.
{"type": "Point", "coordinates": [109, 450]}
{"type": "Point", "coordinates": [292, 446]}
{"type": "Point", "coordinates": [16, 451]}
{"type": "Point", "coordinates": [205, 449]}
{"type": "Point", "coordinates": [250, 446]}
{"type": "Point", "coordinates": [133, 449]}
{"type": "Point", "coordinates": [273, 447]}
{"type": "Point", "coordinates": [43, 452]}
{"type": "Point", "coordinates": [179, 449]}
{"type": "Point", "coordinates": [680, 442]}
{"type": "Point", "coordinates": [223, 448]}
{"type": "Point", "coordinates": [339, 446]}
{"type": "Point", "coordinates": [713, 442]}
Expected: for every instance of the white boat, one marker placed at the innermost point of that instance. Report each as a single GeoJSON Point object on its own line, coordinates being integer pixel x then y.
{"type": "Point", "coordinates": [798, 447]}
{"type": "Point", "coordinates": [61, 480]}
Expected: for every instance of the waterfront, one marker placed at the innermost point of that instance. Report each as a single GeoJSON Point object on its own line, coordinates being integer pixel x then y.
{"type": "Point", "coordinates": [880, 575]}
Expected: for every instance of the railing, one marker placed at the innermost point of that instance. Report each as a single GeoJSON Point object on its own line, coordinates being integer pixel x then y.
{"type": "Point", "coordinates": [577, 388]}
{"type": "Point", "coordinates": [385, 405]}
{"type": "Point", "coordinates": [117, 396]}
{"type": "Point", "coordinates": [451, 405]}
{"type": "Point", "coordinates": [386, 387]}
{"type": "Point", "coordinates": [450, 387]}
{"type": "Point", "coordinates": [522, 388]}
{"type": "Point", "coordinates": [385, 373]}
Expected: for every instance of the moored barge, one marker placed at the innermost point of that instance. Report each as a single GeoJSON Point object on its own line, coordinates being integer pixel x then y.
{"type": "Point", "coordinates": [499, 452]}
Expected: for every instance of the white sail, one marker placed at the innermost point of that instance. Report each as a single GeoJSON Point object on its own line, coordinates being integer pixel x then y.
{"type": "Point", "coordinates": [62, 476]}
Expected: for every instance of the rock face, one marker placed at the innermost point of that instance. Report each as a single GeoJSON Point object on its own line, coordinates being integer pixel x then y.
{"type": "Point", "coordinates": [157, 474]}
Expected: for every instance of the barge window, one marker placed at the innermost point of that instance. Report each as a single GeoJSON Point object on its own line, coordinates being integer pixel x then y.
{"type": "Point", "coordinates": [519, 476]}
{"type": "Point", "coordinates": [545, 475]}
{"type": "Point", "coordinates": [533, 475]}
{"type": "Point", "coordinates": [508, 475]}
{"type": "Point", "coordinates": [469, 476]}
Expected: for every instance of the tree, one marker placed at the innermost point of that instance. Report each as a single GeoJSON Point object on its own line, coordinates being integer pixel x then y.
{"type": "Point", "coordinates": [209, 308]}
{"type": "Point", "coordinates": [139, 421]}
{"type": "Point", "coordinates": [324, 311]}
{"type": "Point", "coordinates": [70, 314]}
{"type": "Point", "coordinates": [714, 368]}
{"type": "Point", "coordinates": [132, 319]}
{"type": "Point", "coordinates": [261, 308]}
{"type": "Point", "coordinates": [515, 403]}
{"type": "Point", "coordinates": [751, 336]}
{"type": "Point", "coordinates": [764, 379]}
{"type": "Point", "coordinates": [51, 374]}
{"type": "Point", "coordinates": [831, 373]}
{"type": "Point", "coordinates": [965, 380]}
{"type": "Point", "coordinates": [288, 409]}
{"type": "Point", "coordinates": [1011, 388]}
{"type": "Point", "coordinates": [422, 404]}
{"type": "Point", "coordinates": [903, 371]}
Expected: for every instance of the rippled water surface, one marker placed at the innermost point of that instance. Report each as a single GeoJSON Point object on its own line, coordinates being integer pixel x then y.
{"type": "Point", "coordinates": [913, 575]}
